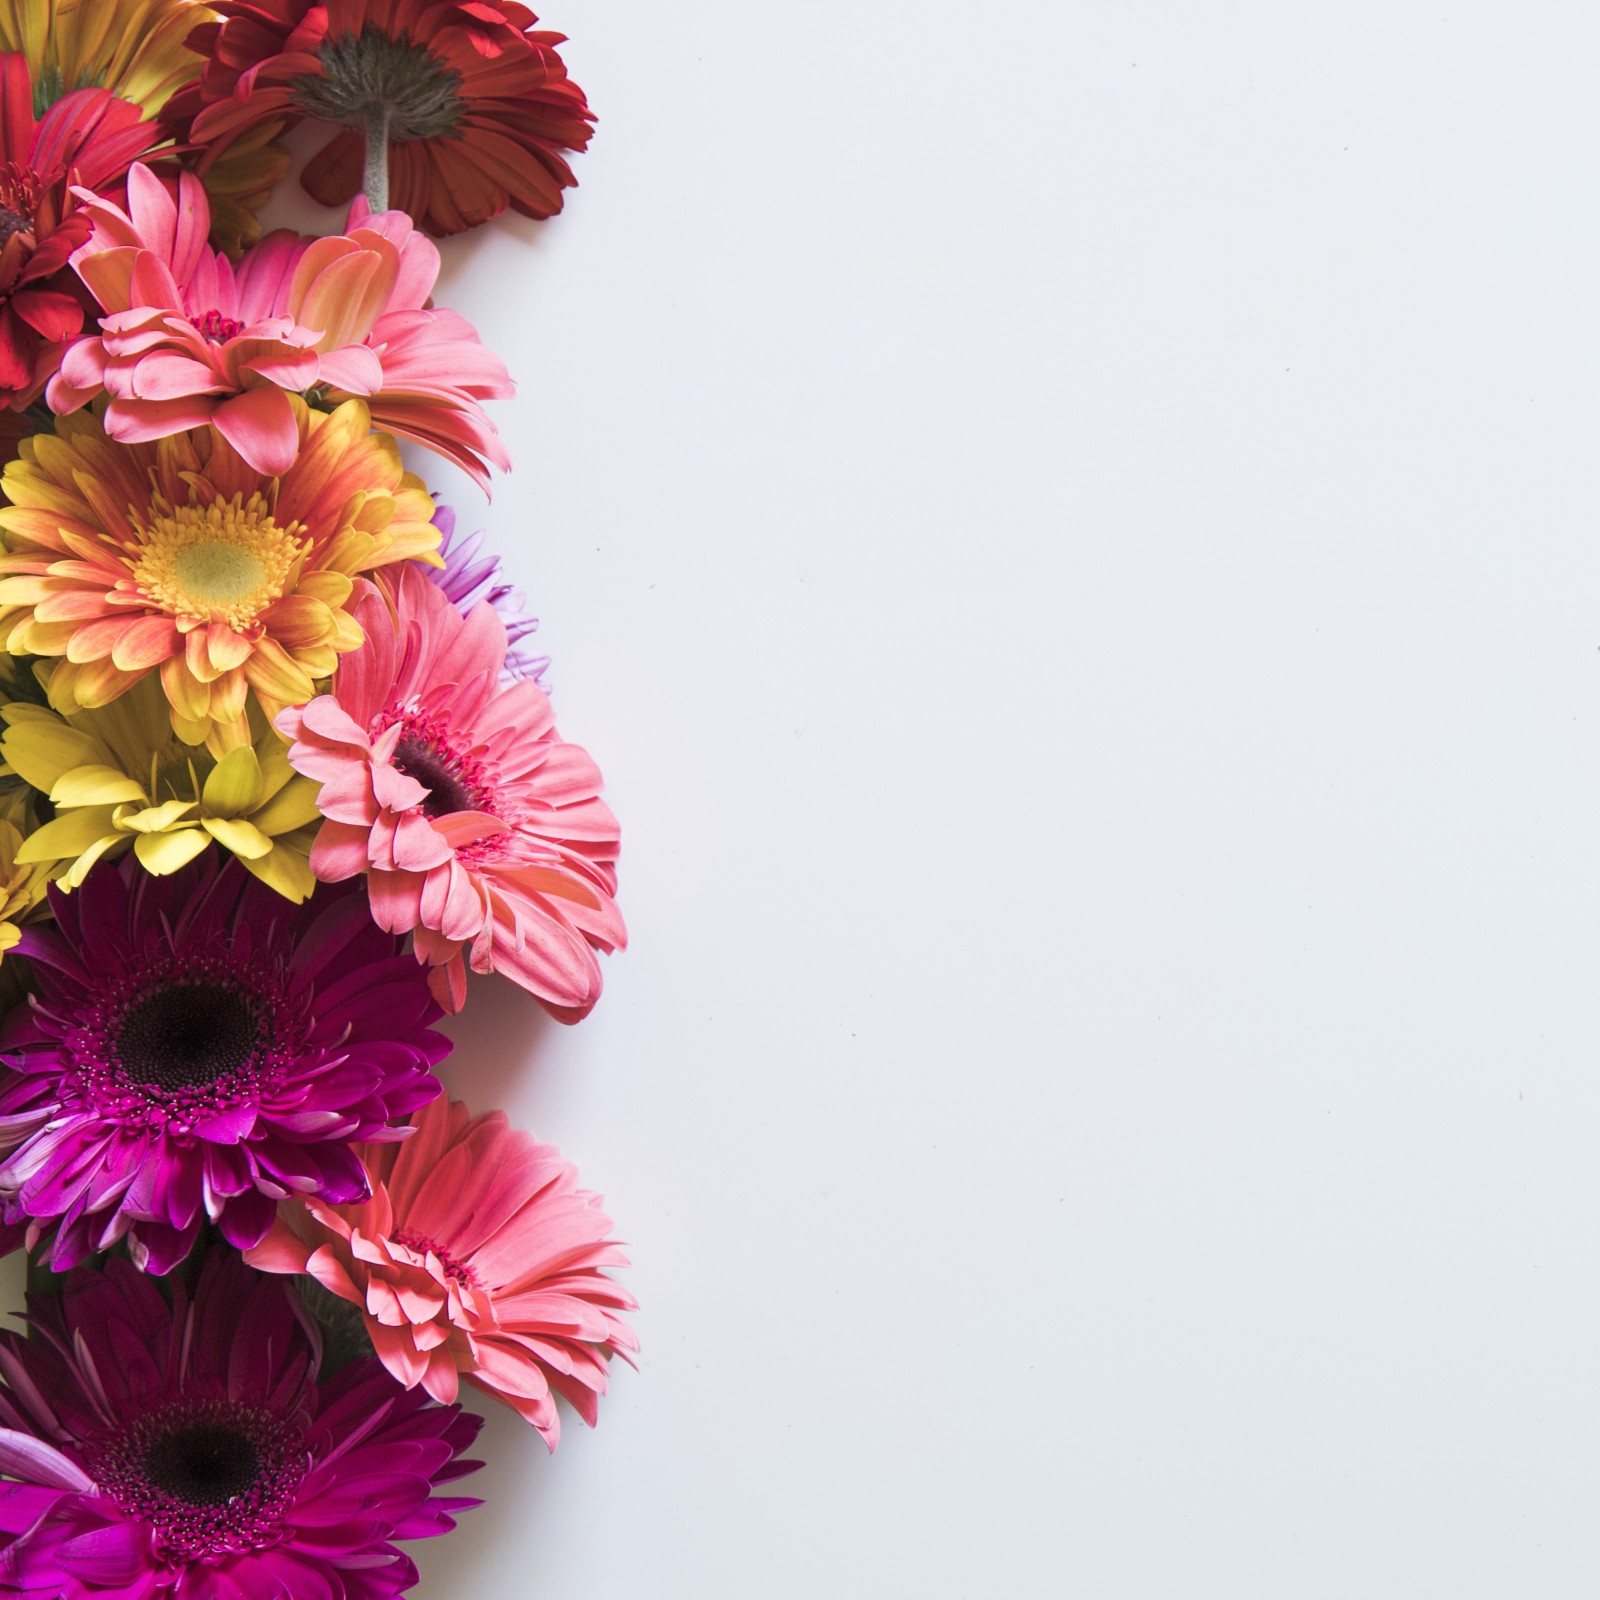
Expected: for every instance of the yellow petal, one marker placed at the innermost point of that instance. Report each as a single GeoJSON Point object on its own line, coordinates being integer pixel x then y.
{"type": "Point", "coordinates": [162, 853]}
{"type": "Point", "coordinates": [244, 839]}
{"type": "Point", "coordinates": [287, 870]}
{"type": "Point", "coordinates": [69, 835]}
{"type": "Point", "coordinates": [155, 819]}
{"type": "Point", "coordinates": [293, 806]}
{"type": "Point", "coordinates": [93, 785]}
{"type": "Point", "coordinates": [235, 787]}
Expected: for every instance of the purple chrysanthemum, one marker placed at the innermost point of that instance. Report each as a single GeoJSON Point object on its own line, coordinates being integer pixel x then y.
{"type": "Point", "coordinates": [468, 580]}
{"type": "Point", "coordinates": [199, 1046]}
{"type": "Point", "coordinates": [188, 1452]}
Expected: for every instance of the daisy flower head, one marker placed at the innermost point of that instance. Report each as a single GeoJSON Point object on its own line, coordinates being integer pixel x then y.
{"type": "Point", "coordinates": [468, 578]}
{"type": "Point", "coordinates": [475, 102]}
{"type": "Point", "coordinates": [198, 1047]}
{"type": "Point", "coordinates": [87, 137]}
{"type": "Point", "coordinates": [118, 778]}
{"type": "Point", "coordinates": [187, 338]}
{"type": "Point", "coordinates": [178, 557]}
{"type": "Point", "coordinates": [475, 824]}
{"type": "Point", "coordinates": [477, 1257]}
{"type": "Point", "coordinates": [190, 1448]}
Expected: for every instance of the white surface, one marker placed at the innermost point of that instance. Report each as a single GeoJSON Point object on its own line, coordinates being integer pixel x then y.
{"type": "Point", "coordinates": [1071, 532]}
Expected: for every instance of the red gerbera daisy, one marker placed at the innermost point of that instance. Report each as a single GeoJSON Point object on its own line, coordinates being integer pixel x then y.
{"type": "Point", "coordinates": [88, 137]}
{"type": "Point", "coordinates": [477, 107]}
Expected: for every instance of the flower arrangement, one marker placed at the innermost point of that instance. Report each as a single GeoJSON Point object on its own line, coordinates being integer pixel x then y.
{"type": "Point", "coordinates": [279, 775]}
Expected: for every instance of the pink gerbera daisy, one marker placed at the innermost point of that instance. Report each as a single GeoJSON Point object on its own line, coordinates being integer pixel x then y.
{"type": "Point", "coordinates": [476, 825]}
{"type": "Point", "coordinates": [188, 338]}
{"type": "Point", "coordinates": [477, 1257]}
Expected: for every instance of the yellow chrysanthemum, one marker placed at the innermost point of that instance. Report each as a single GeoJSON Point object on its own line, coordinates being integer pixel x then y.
{"type": "Point", "coordinates": [175, 555]}
{"type": "Point", "coordinates": [134, 48]}
{"type": "Point", "coordinates": [117, 777]}
{"type": "Point", "coordinates": [22, 885]}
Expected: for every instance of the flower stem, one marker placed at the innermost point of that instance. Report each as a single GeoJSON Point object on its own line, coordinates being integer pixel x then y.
{"type": "Point", "coordinates": [375, 171]}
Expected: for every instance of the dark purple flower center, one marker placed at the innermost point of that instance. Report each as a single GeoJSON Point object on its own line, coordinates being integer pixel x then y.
{"type": "Point", "coordinates": [216, 328]}
{"type": "Point", "coordinates": [377, 71]}
{"type": "Point", "coordinates": [209, 1476]}
{"type": "Point", "coordinates": [188, 1035]}
{"type": "Point", "coordinates": [448, 788]}
{"type": "Point", "coordinates": [203, 1465]}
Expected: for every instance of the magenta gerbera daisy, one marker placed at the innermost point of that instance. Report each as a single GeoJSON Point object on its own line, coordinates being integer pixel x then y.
{"type": "Point", "coordinates": [189, 1451]}
{"type": "Point", "coordinates": [201, 1047]}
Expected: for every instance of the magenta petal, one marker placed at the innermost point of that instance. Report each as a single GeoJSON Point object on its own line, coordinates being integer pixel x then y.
{"type": "Point", "coordinates": [33, 1461]}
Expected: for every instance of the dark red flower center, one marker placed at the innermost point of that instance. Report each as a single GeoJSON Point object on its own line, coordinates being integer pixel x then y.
{"type": "Point", "coordinates": [178, 1042]}
{"type": "Point", "coordinates": [216, 328]}
{"type": "Point", "coordinates": [20, 192]}
{"type": "Point", "coordinates": [210, 1477]}
{"type": "Point", "coordinates": [374, 71]}
{"type": "Point", "coordinates": [203, 1465]}
{"type": "Point", "coordinates": [188, 1035]}
{"type": "Point", "coordinates": [422, 1244]}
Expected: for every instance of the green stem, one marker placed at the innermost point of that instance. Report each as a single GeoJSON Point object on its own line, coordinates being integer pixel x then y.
{"type": "Point", "coordinates": [375, 170]}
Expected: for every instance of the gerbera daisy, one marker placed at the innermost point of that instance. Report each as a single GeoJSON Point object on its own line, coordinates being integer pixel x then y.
{"type": "Point", "coordinates": [116, 778]}
{"type": "Point", "coordinates": [468, 579]}
{"type": "Point", "coordinates": [87, 137]}
{"type": "Point", "coordinates": [188, 1450]}
{"type": "Point", "coordinates": [475, 824]}
{"type": "Point", "coordinates": [198, 1047]}
{"type": "Point", "coordinates": [476, 106]}
{"type": "Point", "coordinates": [478, 1256]}
{"type": "Point", "coordinates": [177, 555]}
{"type": "Point", "coordinates": [189, 339]}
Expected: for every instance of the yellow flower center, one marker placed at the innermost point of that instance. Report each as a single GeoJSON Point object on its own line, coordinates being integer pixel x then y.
{"type": "Point", "coordinates": [225, 562]}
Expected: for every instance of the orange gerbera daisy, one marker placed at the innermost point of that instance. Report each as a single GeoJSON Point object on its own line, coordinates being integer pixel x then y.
{"type": "Point", "coordinates": [176, 555]}
{"type": "Point", "coordinates": [477, 107]}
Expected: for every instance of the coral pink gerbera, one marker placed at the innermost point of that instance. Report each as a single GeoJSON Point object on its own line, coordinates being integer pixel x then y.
{"type": "Point", "coordinates": [188, 338]}
{"type": "Point", "coordinates": [88, 136]}
{"type": "Point", "coordinates": [476, 824]}
{"type": "Point", "coordinates": [477, 1257]}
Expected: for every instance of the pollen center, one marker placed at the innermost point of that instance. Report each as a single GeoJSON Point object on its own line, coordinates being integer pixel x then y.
{"type": "Point", "coordinates": [206, 1466]}
{"type": "Point", "coordinates": [374, 71]}
{"type": "Point", "coordinates": [187, 1035]}
{"type": "Point", "coordinates": [20, 192]}
{"type": "Point", "coordinates": [225, 562]}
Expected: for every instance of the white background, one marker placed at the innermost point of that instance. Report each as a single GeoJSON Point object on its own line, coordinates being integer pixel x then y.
{"type": "Point", "coordinates": [1071, 530]}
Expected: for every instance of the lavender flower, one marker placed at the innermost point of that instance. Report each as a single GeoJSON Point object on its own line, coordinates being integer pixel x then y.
{"type": "Point", "coordinates": [468, 581]}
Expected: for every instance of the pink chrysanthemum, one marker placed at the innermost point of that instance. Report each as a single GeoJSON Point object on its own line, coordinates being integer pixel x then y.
{"type": "Point", "coordinates": [476, 825]}
{"type": "Point", "coordinates": [201, 1047]}
{"type": "Point", "coordinates": [189, 1452]}
{"type": "Point", "coordinates": [477, 1257]}
{"type": "Point", "coordinates": [187, 338]}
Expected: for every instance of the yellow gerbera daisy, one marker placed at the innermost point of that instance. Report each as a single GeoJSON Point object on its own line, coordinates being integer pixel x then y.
{"type": "Point", "coordinates": [117, 777]}
{"type": "Point", "coordinates": [176, 555]}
